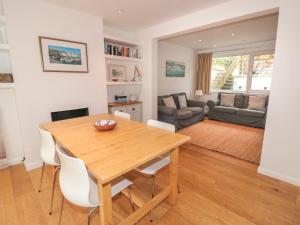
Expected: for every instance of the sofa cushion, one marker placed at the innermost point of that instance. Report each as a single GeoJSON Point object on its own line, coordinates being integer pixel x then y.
{"type": "Point", "coordinates": [227, 100]}
{"type": "Point", "coordinates": [184, 114]}
{"type": "Point", "coordinates": [169, 102]}
{"type": "Point", "coordinates": [182, 101]}
{"type": "Point", "coordinates": [160, 99]}
{"type": "Point", "coordinates": [239, 101]}
{"type": "Point", "coordinates": [251, 112]}
{"type": "Point", "coordinates": [195, 110]}
{"type": "Point", "coordinates": [246, 100]}
{"type": "Point", "coordinates": [257, 102]}
{"type": "Point", "coordinates": [175, 97]}
{"type": "Point", "coordinates": [226, 109]}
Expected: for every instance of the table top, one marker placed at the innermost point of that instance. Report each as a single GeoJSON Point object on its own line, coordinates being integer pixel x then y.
{"type": "Point", "coordinates": [110, 154]}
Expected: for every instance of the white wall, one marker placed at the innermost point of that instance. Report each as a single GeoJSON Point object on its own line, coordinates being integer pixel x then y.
{"type": "Point", "coordinates": [281, 149]}
{"type": "Point", "coordinates": [39, 93]}
{"type": "Point", "coordinates": [170, 85]}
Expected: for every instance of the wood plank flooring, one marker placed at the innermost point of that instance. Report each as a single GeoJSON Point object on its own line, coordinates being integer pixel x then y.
{"type": "Point", "coordinates": [216, 189]}
{"type": "Point", "coordinates": [239, 141]}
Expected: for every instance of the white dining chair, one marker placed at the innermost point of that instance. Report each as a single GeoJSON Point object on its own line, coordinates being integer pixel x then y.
{"type": "Point", "coordinates": [49, 157]}
{"type": "Point", "coordinates": [77, 186]}
{"type": "Point", "coordinates": [151, 168]}
{"type": "Point", "coordinates": [122, 114]}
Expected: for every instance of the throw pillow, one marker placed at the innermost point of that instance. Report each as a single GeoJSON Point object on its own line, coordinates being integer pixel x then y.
{"type": "Point", "coordinates": [227, 100]}
{"type": "Point", "coordinates": [169, 102]}
{"type": "Point", "coordinates": [257, 102]}
{"type": "Point", "coordinates": [182, 101]}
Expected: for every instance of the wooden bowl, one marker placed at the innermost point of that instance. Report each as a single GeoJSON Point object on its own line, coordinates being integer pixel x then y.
{"type": "Point", "coordinates": [105, 125]}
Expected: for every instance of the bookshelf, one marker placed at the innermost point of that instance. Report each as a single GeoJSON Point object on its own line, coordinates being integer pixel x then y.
{"type": "Point", "coordinates": [6, 79]}
{"type": "Point", "coordinates": [122, 58]}
{"type": "Point", "coordinates": [121, 49]}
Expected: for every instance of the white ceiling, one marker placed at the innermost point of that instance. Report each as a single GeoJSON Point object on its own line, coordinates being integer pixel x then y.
{"type": "Point", "coordinates": [138, 14]}
{"type": "Point", "coordinates": [261, 29]}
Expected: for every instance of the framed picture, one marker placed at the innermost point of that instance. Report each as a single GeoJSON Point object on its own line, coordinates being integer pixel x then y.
{"type": "Point", "coordinates": [63, 56]}
{"type": "Point", "coordinates": [117, 72]}
{"type": "Point", "coordinates": [175, 69]}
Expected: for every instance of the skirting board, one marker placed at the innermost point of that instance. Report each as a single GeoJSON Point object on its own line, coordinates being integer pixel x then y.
{"type": "Point", "coordinates": [15, 161]}
{"type": "Point", "coordinates": [278, 176]}
{"type": "Point", "coordinates": [4, 163]}
{"type": "Point", "coordinates": [33, 165]}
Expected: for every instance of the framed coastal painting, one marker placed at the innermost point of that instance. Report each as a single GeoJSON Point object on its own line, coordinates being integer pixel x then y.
{"type": "Point", "coordinates": [117, 72]}
{"type": "Point", "coordinates": [175, 69]}
{"type": "Point", "coordinates": [60, 55]}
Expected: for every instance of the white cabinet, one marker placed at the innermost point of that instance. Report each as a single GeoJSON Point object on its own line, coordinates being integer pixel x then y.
{"type": "Point", "coordinates": [134, 109]}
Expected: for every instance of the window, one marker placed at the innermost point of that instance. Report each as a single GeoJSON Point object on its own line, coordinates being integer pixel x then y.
{"type": "Point", "coordinates": [232, 72]}
{"type": "Point", "coordinates": [262, 72]}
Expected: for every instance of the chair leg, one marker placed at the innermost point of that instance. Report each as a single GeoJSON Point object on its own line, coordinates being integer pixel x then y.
{"type": "Point", "coordinates": [130, 200]}
{"type": "Point", "coordinates": [153, 193]}
{"type": "Point", "coordinates": [53, 188]}
{"type": "Point", "coordinates": [178, 188]}
{"type": "Point", "coordinates": [41, 179]}
{"type": "Point", "coordinates": [61, 209]}
{"type": "Point", "coordinates": [90, 214]}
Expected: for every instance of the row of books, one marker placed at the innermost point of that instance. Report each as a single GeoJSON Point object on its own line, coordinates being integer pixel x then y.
{"type": "Point", "coordinates": [118, 50]}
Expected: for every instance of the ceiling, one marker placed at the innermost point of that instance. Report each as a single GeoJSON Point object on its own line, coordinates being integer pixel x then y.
{"type": "Point", "coordinates": [261, 29]}
{"type": "Point", "coordinates": [137, 14]}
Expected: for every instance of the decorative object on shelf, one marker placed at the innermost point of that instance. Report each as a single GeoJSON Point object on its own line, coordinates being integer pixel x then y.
{"type": "Point", "coordinates": [133, 98]}
{"type": "Point", "coordinates": [121, 98]}
{"type": "Point", "coordinates": [105, 125]}
{"type": "Point", "coordinates": [175, 69]}
{"type": "Point", "coordinates": [137, 75]}
{"type": "Point", "coordinates": [117, 72]}
{"type": "Point", "coordinates": [6, 78]}
{"type": "Point", "coordinates": [60, 55]}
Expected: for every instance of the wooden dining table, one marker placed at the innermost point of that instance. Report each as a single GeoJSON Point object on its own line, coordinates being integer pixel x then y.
{"type": "Point", "coordinates": [110, 154]}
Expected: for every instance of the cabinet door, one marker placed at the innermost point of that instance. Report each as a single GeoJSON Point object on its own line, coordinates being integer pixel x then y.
{"type": "Point", "coordinates": [134, 111]}
{"type": "Point", "coordinates": [119, 108]}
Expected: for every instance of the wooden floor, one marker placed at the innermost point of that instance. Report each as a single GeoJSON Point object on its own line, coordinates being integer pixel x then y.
{"type": "Point", "coordinates": [216, 189]}
{"type": "Point", "coordinates": [239, 141]}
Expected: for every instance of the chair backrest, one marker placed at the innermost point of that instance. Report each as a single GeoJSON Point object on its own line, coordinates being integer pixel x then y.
{"type": "Point", "coordinates": [161, 125]}
{"type": "Point", "coordinates": [47, 150]}
{"type": "Point", "coordinates": [74, 179]}
{"type": "Point", "coordinates": [122, 114]}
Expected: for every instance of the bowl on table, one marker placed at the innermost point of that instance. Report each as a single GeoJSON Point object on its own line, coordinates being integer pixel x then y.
{"type": "Point", "coordinates": [104, 125]}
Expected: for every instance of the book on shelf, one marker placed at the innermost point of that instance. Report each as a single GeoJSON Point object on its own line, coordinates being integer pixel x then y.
{"type": "Point", "coordinates": [118, 50]}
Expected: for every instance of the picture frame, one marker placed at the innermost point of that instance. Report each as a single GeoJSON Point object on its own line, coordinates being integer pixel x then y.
{"type": "Point", "coordinates": [59, 55]}
{"type": "Point", "coordinates": [117, 73]}
{"type": "Point", "coordinates": [175, 69]}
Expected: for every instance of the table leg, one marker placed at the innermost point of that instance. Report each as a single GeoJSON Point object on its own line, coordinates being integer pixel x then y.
{"type": "Point", "coordinates": [173, 173]}
{"type": "Point", "coordinates": [106, 204]}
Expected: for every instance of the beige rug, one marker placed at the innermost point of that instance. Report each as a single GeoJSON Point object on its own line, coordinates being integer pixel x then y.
{"type": "Point", "coordinates": [239, 141]}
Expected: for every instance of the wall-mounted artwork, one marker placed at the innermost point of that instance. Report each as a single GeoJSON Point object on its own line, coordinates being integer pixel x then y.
{"type": "Point", "coordinates": [63, 56]}
{"type": "Point", "coordinates": [175, 69]}
{"type": "Point", "coordinates": [117, 73]}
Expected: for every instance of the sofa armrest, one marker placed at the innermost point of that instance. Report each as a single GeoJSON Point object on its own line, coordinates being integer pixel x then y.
{"type": "Point", "coordinates": [167, 110]}
{"type": "Point", "coordinates": [211, 104]}
{"type": "Point", "coordinates": [195, 103]}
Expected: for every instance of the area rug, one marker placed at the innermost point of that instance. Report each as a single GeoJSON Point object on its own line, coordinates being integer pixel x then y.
{"type": "Point", "coordinates": [239, 141]}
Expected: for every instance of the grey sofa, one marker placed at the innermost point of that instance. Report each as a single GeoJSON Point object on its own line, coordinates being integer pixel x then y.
{"type": "Point", "coordinates": [193, 113]}
{"type": "Point", "coordinates": [239, 114]}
